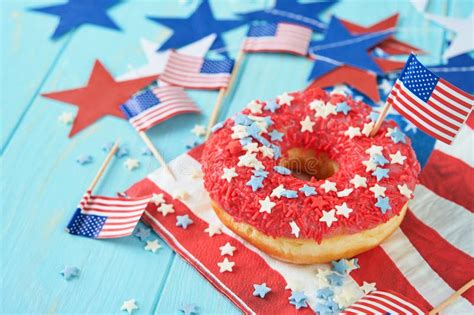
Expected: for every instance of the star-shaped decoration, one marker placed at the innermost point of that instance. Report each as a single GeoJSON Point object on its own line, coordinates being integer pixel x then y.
{"type": "Point", "coordinates": [84, 159]}
{"type": "Point", "coordinates": [282, 170]}
{"type": "Point", "coordinates": [76, 13]}
{"type": "Point", "coordinates": [345, 192]}
{"type": "Point", "coordinates": [272, 106]}
{"type": "Point", "coordinates": [267, 152]}
{"type": "Point", "coordinates": [101, 97]}
{"type": "Point", "coordinates": [188, 309]}
{"type": "Point", "coordinates": [341, 266]}
{"type": "Point", "coordinates": [383, 203]}
{"type": "Point", "coordinates": [251, 147]}
{"type": "Point", "coordinates": [325, 293]}
{"type": "Point", "coordinates": [165, 209]}
{"type": "Point", "coordinates": [66, 118]}
{"type": "Point", "coordinates": [352, 132]}
{"type": "Point", "coordinates": [367, 287]}
{"type": "Point", "coordinates": [275, 135]}
{"type": "Point", "coordinates": [307, 124]}
{"type": "Point", "coordinates": [315, 104]}
{"type": "Point", "coordinates": [298, 296]}
{"type": "Point", "coordinates": [343, 210]}
{"type": "Point", "coordinates": [335, 279]}
{"type": "Point", "coordinates": [213, 229]}
{"type": "Point", "coordinates": [131, 164]}
{"type": "Point", "coordinates": [397, 135]}
{"type": "Point", "coordinates": [329, 217]}
{"type": "Point", "coordinates": [227, 249]}
{"type": "Point", "coordinates": [70, 272]}
{"type": "Point", "coordinates": [157, 199]}
{"type": "Point", "coordinates": [183, 221]}
{"type": "Point", "coordinates": [358, 181]}
{"type": "Point", "coordinates": [129, 306]}
{"type": "Point", "coordinates": [367, 129]}
{"type": "Point", "coordinates": [344, 298]}
{"type": "Point", "coordinates": [397, 158]}
{"type": "Point", "coordinates": [321, 277]}
{"type": "Point", "coordinates": [255, 107]}
{"type": "Point", "coordinates": [121, 152]}
{"type": "Point", "coordinates": [278, 191]}
{"type": "Point", "coordinates": [378, 190]}
{"type": "Point", "coordinates": [266, 205]}
{"type": "Point", "coordinates": [142, 233]}
{"type": "Point", "coordinates": [462, 42]}
{"type": "Point", "coordinates": [379, 159]}
{"type": "Point", "coordinates": [328, 186]}
{"type": "Point", "coordinates": [405, 191]}
{"type": "Point", "coordinates": [260, 173]}
{"type": "Point", "coordinates": [255, 182]}
{"type": "Point", "coordinates": [198, 130]}
{"type": "Point", "coordinates": [374, 149]}
{"type": "Point", "coordinates": [192, 28]}
{"type": "Point", "coordinates": [380, 173]}
{"type": "Point", "coordinates": [152, 246]}
{"type": "Point", "coordinates": [295, 229]}
{"type": "Point", "coordinates": [228, 174]}
{"type": "Point", "coordinates": [308, 190]}
{"type": "Point", "coordinates": [225, 265]}
{"type": "Point", "coordinates": [261, 290]}
{"type": "Point", "coordinates": [369, 165]}
{"type": "Point", "coordinates": [285, 99]}
{"type": "Point", "coordinates": [343, 108]}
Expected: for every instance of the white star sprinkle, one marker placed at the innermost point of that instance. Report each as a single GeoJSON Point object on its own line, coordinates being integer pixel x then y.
{"type": "Point", "coordinates": [251, 147]}
{"type": "Point", "coordinates": [152, 246]}
{"type": "Point", "coordinates": [328, 217]}
{"type": "Point", "coordinates": [352, 132]}
{"type": "Point", "coordinates": [328, 186]}
{"type": "Point", "coordinates": [405, 191]}
{"type": "Point", "coordinates": [226, 265]}
{"type": "Point", "coordinates": [129, 306]}
{"type": "Point", "coordinates": [255, 107]}
{"type": "Point", "coordinates": [314, 105]}
{"type": "Point", "coordinates": [199, 130]}
{"type": "Point", "coordinates": [285, 99]}
{"type": "Point", "coordinates": [227, 249]}
{"type": "Point", "coordinates": [250, 160]}
{"type": "Point", "coordinates": [345, 298]}
{"type": "Point", "coordinates": [369, 165]}
{"type": "Point", "coordinates": [66, 118]}
{"type": "Point", "coordinates": [266, 151]}
{"type": "Point", "coordinates": [277, 191]}
{"type": "Point", "coordinates": [331, 109]}
{"type": "Point", "coordinates": [343, 210]}
{"type": "Point", "coordinates": [157, 199]}
{"type": "Point", "coordinates": [239, 132]}
{"type": "Point", "coordinates": [378, 191]}
{"type": "Point", "coordinates": [229, 173]}
{"type": "Point", "coordinates": [374, 149]}
{"type": "Point", "coordinates": [165, 208]}
{"type": "Point", "coordinates": [358, 181]}
{"type": "Point", "coordinates": [132, 164]}
{"type": "Point", "coordinates": [295, 230]}
{"type": "Point", "coordinates": [397, 158]}
{"type": "Point", "coordinates": [307, 124]}
{"type": "Point", "coordinates": [367, 129]}
{"type": "Point", "coordinates": [266, 205]}
{"type": "Point", "coordinates": [368, 287]}
{"type": "Point", "coordinates": [389, 132]}
{"type": "Point", "coordinates": [344, 193]}
{"type": "Point", "coordinates": [321, 277]}
{"type": "Point", "coordinates": [213, 229]}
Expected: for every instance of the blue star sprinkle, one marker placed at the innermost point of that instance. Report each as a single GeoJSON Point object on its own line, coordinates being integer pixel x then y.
{"type": "Point", "coordinates": [308, 190]}
{"type": "Point", "coordinates": [268, 120]}
{"type": "Point", "coordinates": [397, 135]}
{"type": "Point", "coordinates": [281, 170]}
{"type": "Point", "coordinates": [383, 203]}
{"type": "Point", "coordinates": [272, 106]}
{"type": "Point", "coordinates": [276, 151]}
{"type": "Point", "coordinates": [343, 107]}
{"type": "Point", "coordinates": [76, 13]}
{"type": "Point", "coordinates": [146, 151]}
{"type": "Point", "coordinates": [188, 309]}
{"type": "Point", "coordinates": [255, 182]}
{"type": "Point", "coordinates": [84, 159]}
{"type": "Point", "coordinates": [183, 221]}
{"type": "Point", "coordinates": [290, 194]}
{"type": "Point", "coordinates": [299, 305]}
{"type": "Point", "coordinates": [142, 233]}
{"type": "Point", "coordinates": [242, 119]}
{"type": "Point", "coordinates": [261, 290]}
{"type": "Point", "coordinates": [199, 25]}
{"type": "Point", "coordinates": [298, 299]}
{"type": "Point", "coordinates": [335, 279]}
{"type": "Point", "coordinates": [340, 266]}
{"type": "Point", "coordinates": [355, 263]}
{"type": "Point", "coordinates": [245, 141]}
{"type": "Point", "coordinates": [107, 147]}
{"type": "Point", "coordinates": [121, 152]}
{"type": "Point", "coordinates": [324, 294]}
{"type": "Point", "coordinates": [260, 173]}
{"type": "Point", "coordinates": [275, 135]}
{"type": "Point", "coordinates": [217, 126]}
{"type": "Point", "coordinates": [70, 272]}
{"type": "Point", "coordinates": [254, 130]}
{"type": "Point", "coordinates": [380, 173]}
{"type": "Point", "coordinates": [323, 309]}
{"type": "Point", "coordinates": [379, 159]}
{"type": "Point", "coordinates": [374, 116]}
{"type": "Point", "coordinates": [191, 143]}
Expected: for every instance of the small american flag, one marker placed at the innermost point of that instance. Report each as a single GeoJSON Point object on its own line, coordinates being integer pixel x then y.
{"type": "Point", "coordinates": [278, 37]}
{"type": "Point", "coordinates": [382, 302]}
{"type": "Point", "coordinates": [196, 72]}
{"type": "Point", "coordinates": [106, 217]}
{"type": "Point", "coordinates": [153, 106]}
{"type": "Point", "coordinates": [432, 104]}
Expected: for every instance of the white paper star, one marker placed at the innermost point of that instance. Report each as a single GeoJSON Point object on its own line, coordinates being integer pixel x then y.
{"type": "Point", "coordinates": [307, 124]}
{"type": "Point", "coordinates": [367, 287]}
{"type": "Point", "coordinates": [374, 149]}
{"type": "Point", "coordinates": [255, 107]}
{"type": "Point", "coordinates": [277, 191]}
{"type": "Point", "coordinates": [405, 191]}
{"type": "Point", "coordinates": [165, 208]}
{"type": "Point", "coordinates": [199, 130]}
{"type": "Point", "coordinates": [213, 229]}
{"type": "Point", "coordinates": [229, 173]}
{"type": "Point", "coordinates": [152, 246]}
{"type": "Point", "coordinates": [397, 158]}
{"type": "Point", "coordinates": [378, 191]}
{"type": "Point", "coordinates": [157, 199]}
{"type": "Point", "coordinates": [358, 181]}
{"type": "Point", "coordinates": [66, 118]}
{"type": "Point", "coordinates": [132, 164]}
{"type": "Point", "coordinates": [295, 229]}
{"type": "Point", "coordinates": [352, 132]}
{"type": "Point", "coordinates": [328, 186]}
{"type": "Point", "coordinates": [368, 128]}
{"type": "Point", "coordinates": [227, 249]}
{"type": "Point", "coordinates": [226, 265]}
{"type": "Point", "coordinates": [285, 99]}
{"type": "Point", "coordinates": [343, 210]}
{"type": "Point", "coordinates": [129, 306]}
{"type": "Point", "coordinates": [328, 217]}
{"type": "Point", "coordinates": [266, 205]}
{"type": "Point", "coordinates": [344, 193]}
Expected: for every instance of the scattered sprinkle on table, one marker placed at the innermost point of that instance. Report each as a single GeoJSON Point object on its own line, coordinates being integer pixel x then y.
{"type": "Point", "coordinates": [84, 159]}
{"type": "Point", "coordinates": [142, 233]}
{"type": "Point", "coordinates": [70, 272]}
{"type": "Point", "coordinates": [132, 164]}
{"type": "Point", "coordinates": [152, 246]}
{"type": "Point", "coordinates": [129, 306]}
{"type": "Point", "coordinates": [183, 221]}
{"type": "Point", "coordinates": [213, 229]}
{"type": "Point", "coordinates": [188, 309]}
{"type": "Point", "coordinates": [198, 130]}
{"type": "Point", "coordinates": [66, 118]}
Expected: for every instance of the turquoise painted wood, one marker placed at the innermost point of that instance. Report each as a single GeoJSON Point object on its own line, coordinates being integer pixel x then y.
{"type": "Point", "coordinates": [41, 182]}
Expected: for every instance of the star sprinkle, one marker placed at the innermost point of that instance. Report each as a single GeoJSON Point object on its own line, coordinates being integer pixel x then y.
{"type": "Point", "coordinates": [121, 152]}
{"type": "Point", "coordinates": [267, 152]}
{"type": "Point", "coordinates": [165, 209]}
{"type": "Point", "coordinates": [84, 159]}
{"type": "Point", "coordinates": [328, 217]}
{"type": "Point", "coordinates": [358, 181]}
{"type": "Point", "coordinates": [340, 266]}
{"type": "Point", "coordinates": [260, 173]}
{"type": "Point", "coordinates": [266, 205]}
{"type": "Point", "coordinates": [379, 159]}
{"type": "Point", "coordinates": [157, 199]}
{"type": "Point", "coordinates": [367, 287]}
{"type": "Point", "coordinates": [405, 191]}
{"type": "Point", "coordinates": [308, 190]}
{"type": "Point", "coordinates": [129, 306]}
{"type": "Point", "coordinates": [352, 132]}
{"type": "Point", "coordinates": [397, 136]}
{"type": "Point", "coordinates": [241, 119]}
{"type": "Point", "coordinates": [378, 190]}
{"type": "Point", "coordinates": [282, 170]}
{"type": "Point", "coordinates": [70, 272]}
{"type": "Point", "coordinates": [250, 160]}
{"type": "Point", "coordinates": [298, 299]}
{"type": "Point", "coordinates": [285, 99]}
{"type": "Point", "coordinates": [183, 221]}
{"type": "Point", "coordinates": [397, 158]}
{"type": "Point", "coordinates": [322, 308]}
{"type": "Point", "coordinates": [198, 130]}
{"type": "Point", "coordinates": [335, 279]}
{"type": "Point", "coordinates": [66, 118]}
{"type": "Point", "coordinates": [132, 164]}
{"type": "Point", "coordinates": [261, 290]}
{"type": "Point", "coordinates": [343, 107]}
{"type": "Point", "coordinates": [380, 173]}
{"type": "Point", "coordinates": [251, 147]}
{"type": "Point", "coordinates": [324, 293]}
{"type": "Point", "coordinates": [315, 104]}
{"type": "Point", "coordinates": [321, 276]}
{"type": "Point", "coordinates": [383, 203]}
{"type": "Point", "coordinates": [295, 230]}
{"type": "Point", "coordinates": [255, 182]}
{"type": "Point", "coordinates": [328, 186]}
{"type": "Point", "coordinates": [290, 194]}
{"type": "Point", "coordinates": [227, 249]}
{"type": "Point", "coordinates": [213, 229]}
{"type": "Point", "coordinates": [152, 246]}
{"type": "Point", "coordinates": [225, 265]}
{"type": "Point", "coordinates": [277, 192]}
{"type": "Point", "coordinates": [188, 309]}
{"type": "Point", "coordinates": [369, 165]}
{"type": "Point", "coordinates": [374, 149]}
{"type": "Point", "coordinates": [344, 193]}
{"type": "Point", "coordinates": [142, 233]}
{"type": "Point", "coordinates": [272, 106]}
{"type": "Point", "coordinates": [276, 136]}
{"type": "Point", "coordinates": [239, 132]}
{"type": "Point", "coordinates": [343, 210]}
{"type": "Point", "coordinates": [254, 107]}
{"type": "Point", "coordinates": [367, 129]}
{"type": "Point", "coordinates": [345, 298]}
{"type": "Point", "coordinates": [228, 174]}
{"type": "Point", "coordinates": [307, 124]}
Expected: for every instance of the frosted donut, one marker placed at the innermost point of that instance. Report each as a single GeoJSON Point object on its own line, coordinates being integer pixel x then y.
{"type": "Point", "coordinates": [300, 178]}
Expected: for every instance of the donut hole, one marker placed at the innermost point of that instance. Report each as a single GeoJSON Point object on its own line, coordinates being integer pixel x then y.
{"type": "Point", "coordinates": [307, 163]}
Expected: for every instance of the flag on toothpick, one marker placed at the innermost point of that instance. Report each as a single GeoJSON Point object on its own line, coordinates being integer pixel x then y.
{"type": "Point", "coordinates": [106, 217]}
{"type": "Point", "coordinates": [196, 72]}
{"type": "Point", "coordinates": [152, 106]}
{"type": "Point", "coordinates": [382, 302]}
{"type": "Point", "coordinates": [278, 37]}
{"type": "Point", "coordinates": [431, 103]}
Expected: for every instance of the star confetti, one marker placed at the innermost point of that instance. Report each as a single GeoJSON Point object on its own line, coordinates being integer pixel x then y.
{"type": "Point", "coordinates": [213, 229]}
{"type": "Point", "coordinates": [228, 174]}
{"type": "Point", "coordinates": [227, 249]}
{"type": "Point", "coordinates": [367, 287]}
{"type": "Point", "coordinates": [343, 210]}
{"type": "Point", "coordinates": [157, 199]}
{"type": "Point", "coordinates": [142, 233]}
{"type": "Point", "coordinates": [328, 217]}
{"type": "Point", "coordinates": [129, 306]}
{"type": "Point", "coordinates": [378, 190]}
{"type": "Point", "coordinates": [226, 265]}
{"type": "Point", "coordinates": [261, 290]}
{"type": "Point", "coordinates": [328, 186]}
{"type": "Point", "coordinates": [70, 272]}
{"type": "Point", "coordinates": [66, 118]}
{"type": "Point", "coordinates": [84, 159]}
{"type": "Point", "coordinates": [131, 164]}
{"type": "Point", "coordinates": [183, 221]}
{"type": "Point", "coordinates": [165, 209]}
{"type": "Point", "coordinates": [405, 191]}
{"type": "Point", "coordinates": [152, 246]}
{"type": "Point", "coordinates": [188, 309]}
{"type": "Point", "coordinates": [266, 205]}
{"type": "Point", "coordinates": [358, 181]}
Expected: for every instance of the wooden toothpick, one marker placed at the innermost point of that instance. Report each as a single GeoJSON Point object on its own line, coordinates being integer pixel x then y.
{"type": "Point", "coordinates": [452, 298]}
{"type": "Point", "coordinates": [155, 153]}
{"type": "Point", "coordinates": [104, 165]}
{"type": "Point", "coordinates": [381, 118]}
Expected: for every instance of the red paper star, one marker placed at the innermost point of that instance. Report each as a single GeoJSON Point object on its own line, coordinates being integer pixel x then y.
{"type": "Point", "coordinates": [100, 97]}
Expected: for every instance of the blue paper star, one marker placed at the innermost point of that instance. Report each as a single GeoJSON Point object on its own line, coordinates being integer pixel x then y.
{"type": "Point", "coordinates": [383, 203]}
{"type": "Point", "coordinates": [84, 159]}
{"type": "Point", "coordinates": [340, 266]}
{"type": "Point", "coordinates": [335, 279]}
{"type": "Point", "coordinates": [290, 194]}
{"type": "Point", "coordinates": [343, 107]}
{"type": "Point", "coordinates": [281, 170]}
{"type": "Point", "coordinates": [70, 272]}
{"type": "Point", "coordinates": [260, 173]}
{"type": "Point", "coordinates": [458, 71]}
{"type": "Point", "coordinates": [308, 190]}
{"type": "Point", "coordinates": [195, 27]}
{"type": "Point", "coordinates": [183, 221]}
{"type": "Point", "coordinates": [292, 11]}
{"type": "Point", "coordinates": [324, 294]}
{"type": "Point", "coordinates": [332, 51]}
{"type": "Point", "coordinates": [379, 159]}
{"type": "Point", "coordinates": [272, 106]}
{"type": "Point", "coordinates": [261, 290]}
{"type": "Point", "coordinates": [188, 309]}
{"type": "Point", "coordinates": [255, 182]}
{"type": "Point", "coordinates": [76, 13]}
{"type": "Point", "coordinates": [380, 173]}
{"type": "Point", "coordinates": [142, 233]}
{"type": "Point", "coordinates": [275, 135]}
{"type": "Point", "coordinates": [397, 135]}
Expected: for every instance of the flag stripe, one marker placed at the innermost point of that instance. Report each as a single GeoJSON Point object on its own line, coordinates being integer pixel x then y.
{"type": "Point", "coordinates": [464, 98]}
{"type": "Point", "coordinates": [461, 147]}
{"type": "Point", "coordinates": [401, 300]}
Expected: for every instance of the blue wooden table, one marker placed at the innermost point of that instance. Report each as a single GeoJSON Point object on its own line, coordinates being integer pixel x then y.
{"type": "Point", "coordinates": [42, 183]}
